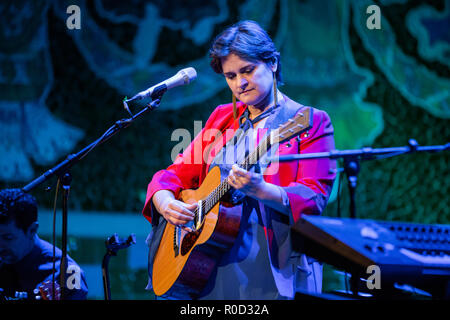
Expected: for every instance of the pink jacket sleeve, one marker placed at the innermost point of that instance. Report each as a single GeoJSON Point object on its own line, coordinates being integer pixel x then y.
{"type": "Point", "coordinates": [310, 191]}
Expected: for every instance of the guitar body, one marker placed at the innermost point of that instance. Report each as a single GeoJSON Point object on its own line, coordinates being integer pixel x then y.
{"type": "Point", "coordinates": [183, 273]}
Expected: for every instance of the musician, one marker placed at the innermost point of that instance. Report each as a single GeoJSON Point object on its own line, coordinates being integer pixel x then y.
{"type": "Point", "coordinates": [26, 261]}
{"type": "Point", "coordinates": [261, 263]}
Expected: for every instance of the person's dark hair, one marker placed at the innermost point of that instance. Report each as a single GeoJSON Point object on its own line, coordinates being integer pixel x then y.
{"type": "Point", "coordinates": [247, 40]}
{"type": "Point", "coordinates": [18, 206]}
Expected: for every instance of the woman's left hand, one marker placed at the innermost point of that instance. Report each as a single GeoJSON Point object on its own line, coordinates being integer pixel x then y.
{"type": "Point", "coordinates": [250, 183]}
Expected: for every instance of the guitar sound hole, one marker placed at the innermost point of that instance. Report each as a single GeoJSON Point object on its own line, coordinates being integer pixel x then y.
{"type": "Point", "coordinates": [189, 240]}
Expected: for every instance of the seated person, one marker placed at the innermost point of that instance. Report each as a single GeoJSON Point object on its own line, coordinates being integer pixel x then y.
{"type": "Point", "coordinates": [26, 261]}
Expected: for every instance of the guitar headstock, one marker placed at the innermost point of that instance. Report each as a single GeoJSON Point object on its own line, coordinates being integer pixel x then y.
{"type": "Point", "coordinates": [301, 122]}
{"type": "Point", "coordinates": [46, 291]}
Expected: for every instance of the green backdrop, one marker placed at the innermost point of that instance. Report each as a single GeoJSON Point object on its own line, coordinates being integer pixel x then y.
{"type": "Point", "coordinates": [61, 88]}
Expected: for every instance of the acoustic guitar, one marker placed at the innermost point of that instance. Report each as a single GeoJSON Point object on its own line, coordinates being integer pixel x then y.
{"type": "Point", "coordinates": [186, 260]}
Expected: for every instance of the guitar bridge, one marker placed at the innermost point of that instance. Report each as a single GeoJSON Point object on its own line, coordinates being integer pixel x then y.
{"type": "Point", "coordinates": [176, 240]}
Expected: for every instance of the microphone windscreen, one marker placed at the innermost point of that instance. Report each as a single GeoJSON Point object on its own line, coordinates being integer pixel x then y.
{"type": "Point", "coordinates": [189, 74]}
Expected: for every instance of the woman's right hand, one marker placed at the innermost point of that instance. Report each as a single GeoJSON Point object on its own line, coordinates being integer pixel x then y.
{"type": "Point", "coordinates": [174, 211]}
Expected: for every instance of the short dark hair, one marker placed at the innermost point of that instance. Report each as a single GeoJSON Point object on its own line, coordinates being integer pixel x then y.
{"type": "Point", "coordinates": [18, 206]}
{"type": "Point", "coordinates": [247, 40]}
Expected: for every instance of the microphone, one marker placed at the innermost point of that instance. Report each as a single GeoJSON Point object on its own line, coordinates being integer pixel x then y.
{"type": "Point", "coordinates": [184, 76]}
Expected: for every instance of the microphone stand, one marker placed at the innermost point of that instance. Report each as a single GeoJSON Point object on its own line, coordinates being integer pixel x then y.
{"type": "Point", "coordinates": [62, 170]}
{"type": "Point", "coordinates": [113, 244]}
{"type": "Point", "coordinates": [352, 159]}
{"type": "Point", "coordinates": [351, 168]}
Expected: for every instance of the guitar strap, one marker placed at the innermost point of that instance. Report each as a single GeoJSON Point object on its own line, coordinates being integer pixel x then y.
{"type": "Point", "coordinates": [247, 123]}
